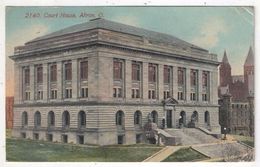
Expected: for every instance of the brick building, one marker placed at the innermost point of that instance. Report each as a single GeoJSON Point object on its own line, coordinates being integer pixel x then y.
{"type": "Point", "coordinates": [99, 82]}
{"type": "Point", "coordinates": [237, 97]}
{"type": "Point", "coordinates": [9, 102]}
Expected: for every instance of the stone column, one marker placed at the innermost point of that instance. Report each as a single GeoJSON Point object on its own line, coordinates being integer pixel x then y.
{"type": "Point", "coordinates": [32, 81]}
{"type": "Point", "coordinates": [210, 87]}
{"type": "Point", "coordinates": [74, 79]}
{"type": "Point", "coordinates": [175, 82]}
{"type": "Point", "coordinates": [93, 77]}
{"type": "Point", "coordinates": [18, 84]}
{"type": "Point", "coordinates": [128, 79]}
{"type": "Point", "coordinates": [59, 80]}
{"type": "Point", "coordinates": [200, 85]}
{"type": "Point", "coordinates": [160, 82]}
{"type": "Point", "coordinates": [187, 85]}
{"type": "Point", "coordinates": [145, 81]}
{"type": "Point", "coordinates": [45, 81]}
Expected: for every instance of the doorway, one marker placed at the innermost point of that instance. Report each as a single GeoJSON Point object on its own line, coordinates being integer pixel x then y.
{"type": "Point", "coordinates": [169, 118]}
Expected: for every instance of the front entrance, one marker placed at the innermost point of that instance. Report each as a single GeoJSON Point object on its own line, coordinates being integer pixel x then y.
{"type": "Point", "coordinates": [169, 118]}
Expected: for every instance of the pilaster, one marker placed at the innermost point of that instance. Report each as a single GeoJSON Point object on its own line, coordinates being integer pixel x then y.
{"type": "Point", "coordinates": [200, 85]}
{"type": "Point", "coordinates": [160, 82]}
{"type": "Point", "coordinates": [18, 83]}
{"type": "Point", "coordinates": [175, 82]}
{"type": "Point", "coordinates": [32, 82]}
{"type": "Point", "coordinates": [187, 85]}
{"type": "Point", "coordinates": [59, 80]}
{"type": "Point", "coordinates": [145, 80]}
{"type": "Point", "coordinates": [45, 81]}
{"type": "Point", "coordinates": [128, 79]}
{"type": "Point", "coordinates": [74, 78]}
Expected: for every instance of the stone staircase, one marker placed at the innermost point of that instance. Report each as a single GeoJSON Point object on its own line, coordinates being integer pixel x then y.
{"type": "Point", "coordinates": [191, 136]}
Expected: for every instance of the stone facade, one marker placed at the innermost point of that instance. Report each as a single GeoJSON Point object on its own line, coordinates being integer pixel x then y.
{"type": "Point", "coordinates": [109, 106]}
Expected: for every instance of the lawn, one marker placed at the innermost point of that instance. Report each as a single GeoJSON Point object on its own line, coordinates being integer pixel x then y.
{"type": "Point", "coordinates": [245, 139]}
{"type": "Point", "coordinates": [39, 151]}
{"type": "Point", "coordinates": [185, 155]}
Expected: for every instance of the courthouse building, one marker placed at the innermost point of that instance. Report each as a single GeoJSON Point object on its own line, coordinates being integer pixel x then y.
{"type": "Point", "coordinates": [99, 82]}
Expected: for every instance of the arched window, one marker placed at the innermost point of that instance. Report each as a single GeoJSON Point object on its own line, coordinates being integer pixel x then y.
{"type": "Point", "coordinates": [207, 118]}
{"type": "Point", "coordinates": [82, 119]}
{"type": "Point", "coordinates": [120, 118]}
{"type": "Point", "coordinates": [154, 116]}
{"type": "Point", "coordinates": [138, 118]}
{"type": "Point", "coordinates": [65, 119]}
{"type": "Point", "coordinates": [51, 119]}
{"type": "Point", "coordinates": [194, 117]}
{"type": "Point", "coordinates": [24, 119]}
{"type": "Point", "coordinates": [182, 120]}
{"type": "Point", "coordinates": [37, 119]}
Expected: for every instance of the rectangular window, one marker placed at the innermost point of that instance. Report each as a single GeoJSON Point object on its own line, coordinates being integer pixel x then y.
{"type": "Point", "coordinates": [27, 95]}
{"type": "Point", "coordinates": [49, 137]}
{"type": "Point", "coordinates": [114, 92]}
{"type": "Point", "coordinates": [133, 93]}
{"type": "Point", "coordinates": [64, 138]}
{"type": "Point", "coordinates": [153, 94]}
{"type": "Point", "coordinates": [149, 94]}
{"type": "Point", "coordinates": [120, 139]}
{"type": "Point", "coordinates": [193, 77]}
{"type": "Point", "coordinates": [117, 92]}
{"type": "Point", "coordinates": [53, 94]}
{"type": "Point", "coordinates": [181, 76]}
{"type": "Point", "coordinates": [180, 96]}
{"type": "Point", "coordinates": [192, 96]}
{"type": "Point", "coordinates": [27, 76]}
{"type": "Point", "coordinates": [53, 73]}
{"type": "Point", "coordinates": [137, 94]}
{"type": "Point", "coordinates": [40, 95]}
{"type": "Point", "coordinates": [84, 70]}
{"type": "Point", "coordinates": [138, 138]}
{"type": "Point", "coordinates": [166, 94]}
{"type": "Point", "coordinates": [152, 72]}
{"type": "Point", "coordinates": [166, 74]}
{"type": "Point", "coordinates": [120, 92]}
{"type": "Point", "coordinates": [39, 74]}
{"type": "Point", "coordinates": [36, 136]}
{"type": "Point", "coordinates": [68, 72]}
{"type": "Point", "coordinates": [23, 135]}
{"type": "Point", "coordinates": [118, 70]}
{"type": "Point", "coordinates": [68, 93]}
{"type": "Point", "coordinates": [84, 92]}
{"type": "Point", "coordinates": [205, 78]}
{"type": "Point", "coordinates": [204, 97]}
{"type": "Point", "coordinates": [136, 71]}
{"type": "Point", "coordinates": [80, 139]}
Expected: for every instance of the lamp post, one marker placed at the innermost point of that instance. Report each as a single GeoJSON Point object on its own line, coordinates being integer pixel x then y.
{"type": "Point", "coordinates": [225, 133]}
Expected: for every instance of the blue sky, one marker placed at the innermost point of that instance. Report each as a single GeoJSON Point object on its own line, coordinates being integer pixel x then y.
{"type": "Point", "coordinates": [212, 28]}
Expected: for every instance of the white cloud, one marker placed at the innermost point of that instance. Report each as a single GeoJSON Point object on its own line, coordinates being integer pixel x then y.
{"type": "Point", "coordinates": [18, 38]}
{"type": "Point", "coordinates": [130, 20]}
{"type": "Point", "coordinates": [210, 30]}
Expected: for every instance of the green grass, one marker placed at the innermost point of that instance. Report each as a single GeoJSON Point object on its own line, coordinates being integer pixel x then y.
{"type": "Point", "coordinates": [245, 139]}
{"type": "Point", "coordinates": [8, 133]}
{"type": "Point", "coordinates": [185, 155]}
{"type": "Point", "coordinates": [39, 151]}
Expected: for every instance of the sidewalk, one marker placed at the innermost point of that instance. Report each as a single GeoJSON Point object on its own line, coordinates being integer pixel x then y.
{"type": "Point", "coordinates": [163, 154]}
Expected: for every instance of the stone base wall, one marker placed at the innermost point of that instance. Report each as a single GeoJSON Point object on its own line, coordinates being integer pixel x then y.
{"type": "Point", "coordinates": [101, 128]}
